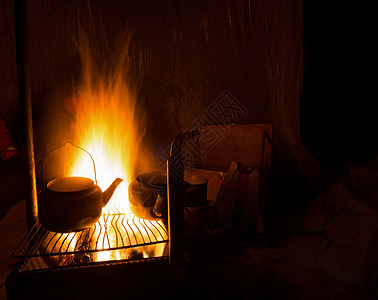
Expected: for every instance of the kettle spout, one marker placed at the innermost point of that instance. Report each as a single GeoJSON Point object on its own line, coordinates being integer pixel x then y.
{"type": "Point", "coordinates": [106, 195]}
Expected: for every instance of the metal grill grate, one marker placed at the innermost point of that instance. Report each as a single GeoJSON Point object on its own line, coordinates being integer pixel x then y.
{"type": "Point", "coordinates": [112, 232]}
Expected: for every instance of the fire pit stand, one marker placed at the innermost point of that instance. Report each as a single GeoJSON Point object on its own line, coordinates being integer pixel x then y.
{"type": "Point", "coordinates": [63, 265]}
{"type": "Point", "coordinates": [114, 237]}
{"type": "Point", "coordinates": [106, 260]}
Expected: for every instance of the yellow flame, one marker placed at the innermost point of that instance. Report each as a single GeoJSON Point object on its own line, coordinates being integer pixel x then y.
{"type": "Point", "coordinates": [107, 125]}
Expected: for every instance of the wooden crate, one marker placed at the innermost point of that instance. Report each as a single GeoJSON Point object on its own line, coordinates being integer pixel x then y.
{"type": "Point", "coordinates": [248, 144]}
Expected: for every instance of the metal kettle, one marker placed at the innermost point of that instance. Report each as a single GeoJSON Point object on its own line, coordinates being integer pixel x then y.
{"type": "Point", "coordinates": [72, 203]}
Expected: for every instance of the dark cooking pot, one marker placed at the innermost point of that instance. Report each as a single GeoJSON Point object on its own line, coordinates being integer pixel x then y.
{"type": "Point", "coordinates": [143, 192]}
{"type": "Point", "coordinates": [148, 194]}
{"type": "Point", "coordinates": [72, 203]}
{"type": "Point", "coordinates": [196, 194]}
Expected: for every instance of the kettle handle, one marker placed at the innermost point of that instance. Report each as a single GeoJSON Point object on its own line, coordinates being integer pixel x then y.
{"type": "Point", "coordinates": [68, 142]}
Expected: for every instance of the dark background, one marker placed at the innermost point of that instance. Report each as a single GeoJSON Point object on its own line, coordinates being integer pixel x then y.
{"type": "Point", "coordinates": [337, 107]}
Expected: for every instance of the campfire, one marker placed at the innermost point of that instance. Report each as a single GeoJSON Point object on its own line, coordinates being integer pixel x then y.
{"type": "Point", "coordinates": [107, 126]}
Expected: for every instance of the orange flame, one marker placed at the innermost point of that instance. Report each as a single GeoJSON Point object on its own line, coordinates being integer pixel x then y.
{"type": "Point", "coordinates": [107, 124]}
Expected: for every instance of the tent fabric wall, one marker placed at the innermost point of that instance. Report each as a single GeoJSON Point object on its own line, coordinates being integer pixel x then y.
{"type": "Point", "coordinates": [182, 55]}
{"type": "Point", "coordinates": [8, 74]}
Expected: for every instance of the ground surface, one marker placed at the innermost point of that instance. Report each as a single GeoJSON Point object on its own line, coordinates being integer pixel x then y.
{"type": "Point", "coordinates": [326, 250]}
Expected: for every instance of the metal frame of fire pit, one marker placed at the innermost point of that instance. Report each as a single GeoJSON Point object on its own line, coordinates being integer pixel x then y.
{"type": "Point", "coordinates": [112, 232]}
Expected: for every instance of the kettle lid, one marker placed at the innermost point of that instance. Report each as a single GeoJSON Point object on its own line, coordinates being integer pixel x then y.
{"type": "Point", "coordinates": [70, 184]}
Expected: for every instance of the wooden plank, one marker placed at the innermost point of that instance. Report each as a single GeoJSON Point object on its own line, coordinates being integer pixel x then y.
{"type": "Point", "coordinates": [246, 144]}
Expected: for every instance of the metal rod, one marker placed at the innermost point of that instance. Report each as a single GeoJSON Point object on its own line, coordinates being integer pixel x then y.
{"type": "Point", "coordinates": [50, 243]}
{"type": "Point", "coordinates": [175, 177]}
{"type": "Point", "coordinates": [25, 104]}
{"type": "Point", "coordinates": [175, 192]}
